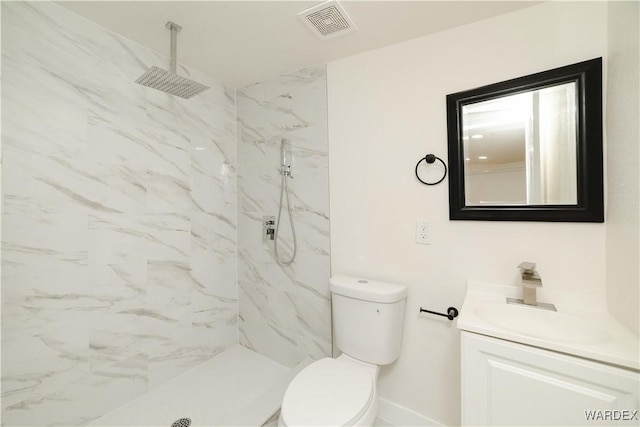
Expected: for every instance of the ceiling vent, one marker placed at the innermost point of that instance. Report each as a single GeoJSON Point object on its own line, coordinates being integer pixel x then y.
{"type": "Point", "coordinates": [328, 19]}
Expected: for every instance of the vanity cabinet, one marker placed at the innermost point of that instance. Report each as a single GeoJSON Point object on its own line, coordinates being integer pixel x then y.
{"type": "Point", "coordinates": [510, 384]}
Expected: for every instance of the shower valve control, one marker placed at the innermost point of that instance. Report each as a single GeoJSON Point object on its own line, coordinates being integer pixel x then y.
{"type": "Point", "coordinates": [268, 228]}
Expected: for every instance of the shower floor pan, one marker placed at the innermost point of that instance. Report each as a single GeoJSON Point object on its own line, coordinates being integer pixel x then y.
{"type": "Point", "coordinates": [236, 388]}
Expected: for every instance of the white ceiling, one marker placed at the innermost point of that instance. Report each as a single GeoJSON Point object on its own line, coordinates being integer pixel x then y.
{"type": "Point", "coordinates": [243, 42]}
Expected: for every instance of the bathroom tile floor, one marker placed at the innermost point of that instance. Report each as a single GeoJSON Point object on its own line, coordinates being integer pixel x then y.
{"type": "Point", "coordinates": [236, 388]}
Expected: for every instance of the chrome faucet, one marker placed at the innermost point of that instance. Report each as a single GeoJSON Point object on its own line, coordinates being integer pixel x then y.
{"type": "Point", "coordinates": [530, 282]}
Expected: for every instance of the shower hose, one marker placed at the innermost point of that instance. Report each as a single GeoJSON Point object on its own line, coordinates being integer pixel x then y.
{"type": "Point", "coordinates": [284, 188]}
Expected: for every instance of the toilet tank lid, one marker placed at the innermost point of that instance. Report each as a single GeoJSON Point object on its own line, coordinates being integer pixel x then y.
{"type": "Point", "coordinates": [366, 289]}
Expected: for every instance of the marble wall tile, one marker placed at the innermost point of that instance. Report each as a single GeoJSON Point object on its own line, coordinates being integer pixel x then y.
{"type": "Point", "coordinates": [119, 220]}
{"type": "Point", "coordinates": [120, 227]}
{"type": "Point", "coordinates": [258, 334]}
{"type": "Point", "coordinates": [284, 311]}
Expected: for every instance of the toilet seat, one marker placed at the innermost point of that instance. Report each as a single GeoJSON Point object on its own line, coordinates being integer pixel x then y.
{"type": "Point", "coordinates": [328, 392]}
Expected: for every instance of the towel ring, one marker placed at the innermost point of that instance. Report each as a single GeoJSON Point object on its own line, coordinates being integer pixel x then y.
{"type": "Point", "coordinates": [430, 158]}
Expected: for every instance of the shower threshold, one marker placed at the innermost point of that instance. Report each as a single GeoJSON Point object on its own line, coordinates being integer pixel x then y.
{"type": "Point", "coordinates": [235, 388]}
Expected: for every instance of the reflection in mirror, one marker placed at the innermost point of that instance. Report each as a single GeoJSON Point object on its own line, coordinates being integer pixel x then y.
{"type": "Point", "coordinates": [521, 149]}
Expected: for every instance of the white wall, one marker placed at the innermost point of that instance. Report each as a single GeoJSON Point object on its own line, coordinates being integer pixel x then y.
{"type": "Point", "coordinates": [497, 186]}
{"type": "Point", "coordinates": [386, 110]}
{"type": "Point", "coordinates": [623, 137]}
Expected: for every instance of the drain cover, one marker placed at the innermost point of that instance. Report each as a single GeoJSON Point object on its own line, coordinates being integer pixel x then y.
{"type": "Point", "coordinates": [182, 422]}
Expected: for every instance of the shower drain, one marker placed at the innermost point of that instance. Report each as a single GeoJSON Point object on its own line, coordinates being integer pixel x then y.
{"type": "Point", "coordinates": [182, 422]}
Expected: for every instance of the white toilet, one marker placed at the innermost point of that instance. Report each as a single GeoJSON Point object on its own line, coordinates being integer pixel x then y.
{"type": "Point", "coordinates": [368, 319]}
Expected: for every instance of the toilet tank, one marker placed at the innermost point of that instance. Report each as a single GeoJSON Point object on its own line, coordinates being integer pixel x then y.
{"type": "Point", "coordinates": [368, 318]}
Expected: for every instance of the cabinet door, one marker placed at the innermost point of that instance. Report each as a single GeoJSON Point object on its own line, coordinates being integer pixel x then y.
{"type": "Point", "coordinates": [510, 384]}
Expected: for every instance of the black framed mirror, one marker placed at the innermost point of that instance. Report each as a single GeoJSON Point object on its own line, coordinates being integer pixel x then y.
{"type": "Point", "coordinates": [528, 149]}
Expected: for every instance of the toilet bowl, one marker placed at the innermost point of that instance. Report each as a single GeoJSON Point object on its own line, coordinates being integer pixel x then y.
{"type": "Point", "coordinates": [368, 320]}
{"type": "Point", "coordinates": [332, 392]}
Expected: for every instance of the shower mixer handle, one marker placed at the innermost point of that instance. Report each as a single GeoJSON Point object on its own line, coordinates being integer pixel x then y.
{"type": "Point", "coordinates": [269, 227]}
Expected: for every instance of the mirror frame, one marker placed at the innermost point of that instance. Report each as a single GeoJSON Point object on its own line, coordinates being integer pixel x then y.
{"type": "Point", "coordinates": [590, 191]}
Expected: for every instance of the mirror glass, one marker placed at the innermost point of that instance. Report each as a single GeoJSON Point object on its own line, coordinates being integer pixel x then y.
{"type": "Point", "coordinates": [529, 148]}
{"type": "Point", "coordinates": [521, 149]}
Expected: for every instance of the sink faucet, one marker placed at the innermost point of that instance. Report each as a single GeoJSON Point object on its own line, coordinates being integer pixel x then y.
{"type": "Point", "coordinates": [530, 282]}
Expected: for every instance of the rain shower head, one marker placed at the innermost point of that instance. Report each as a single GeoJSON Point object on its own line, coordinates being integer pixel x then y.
{"type": "Point", "coordinates": [169, 81]}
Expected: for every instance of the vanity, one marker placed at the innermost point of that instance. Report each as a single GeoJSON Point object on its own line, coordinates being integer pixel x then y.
{"type": "Point", "coordinates": [530, 149]}
{"type": "Point", "coordinates": [523, 365]}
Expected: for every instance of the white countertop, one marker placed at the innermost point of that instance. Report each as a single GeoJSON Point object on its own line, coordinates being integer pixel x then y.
{"type": "Point", "coordinates": [580, 327]}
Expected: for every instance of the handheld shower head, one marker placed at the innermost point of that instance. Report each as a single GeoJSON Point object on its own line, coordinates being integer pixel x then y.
{"type": "Point", "coordinates": [285, 152]}
{"type": "Point", "coordinates": [286, 157]}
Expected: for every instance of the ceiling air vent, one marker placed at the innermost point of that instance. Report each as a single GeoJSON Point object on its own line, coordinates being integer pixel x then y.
{"type": "Point", "coordinates": [328, 19]}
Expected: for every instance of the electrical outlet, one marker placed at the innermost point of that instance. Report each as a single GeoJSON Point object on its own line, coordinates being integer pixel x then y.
{"type": "Point", "coordinates": [422, 233]}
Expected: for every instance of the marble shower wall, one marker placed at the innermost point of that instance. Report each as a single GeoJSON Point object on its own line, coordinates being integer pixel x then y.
{"type": "Point", "coordinates": [284, 311]}
{"type": "Point", "coordinates": [119, 220]}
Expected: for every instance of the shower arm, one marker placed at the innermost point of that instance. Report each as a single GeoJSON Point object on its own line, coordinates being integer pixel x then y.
{"type": "Point", "coordinates": [174, 46]}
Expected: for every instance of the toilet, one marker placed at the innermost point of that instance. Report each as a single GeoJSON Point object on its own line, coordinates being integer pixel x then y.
{"type": "Point", "coordinates": [368, 319]}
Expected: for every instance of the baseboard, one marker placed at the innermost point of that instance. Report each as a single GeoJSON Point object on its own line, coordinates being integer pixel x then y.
{"type": "Point", "coordinates": [400, 416]}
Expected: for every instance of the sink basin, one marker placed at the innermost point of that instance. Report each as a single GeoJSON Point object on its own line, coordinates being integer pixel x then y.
{"type": "Point", "coordinates": [581, 327]}
{"type": "Point", "coordinates": [541, 324]}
